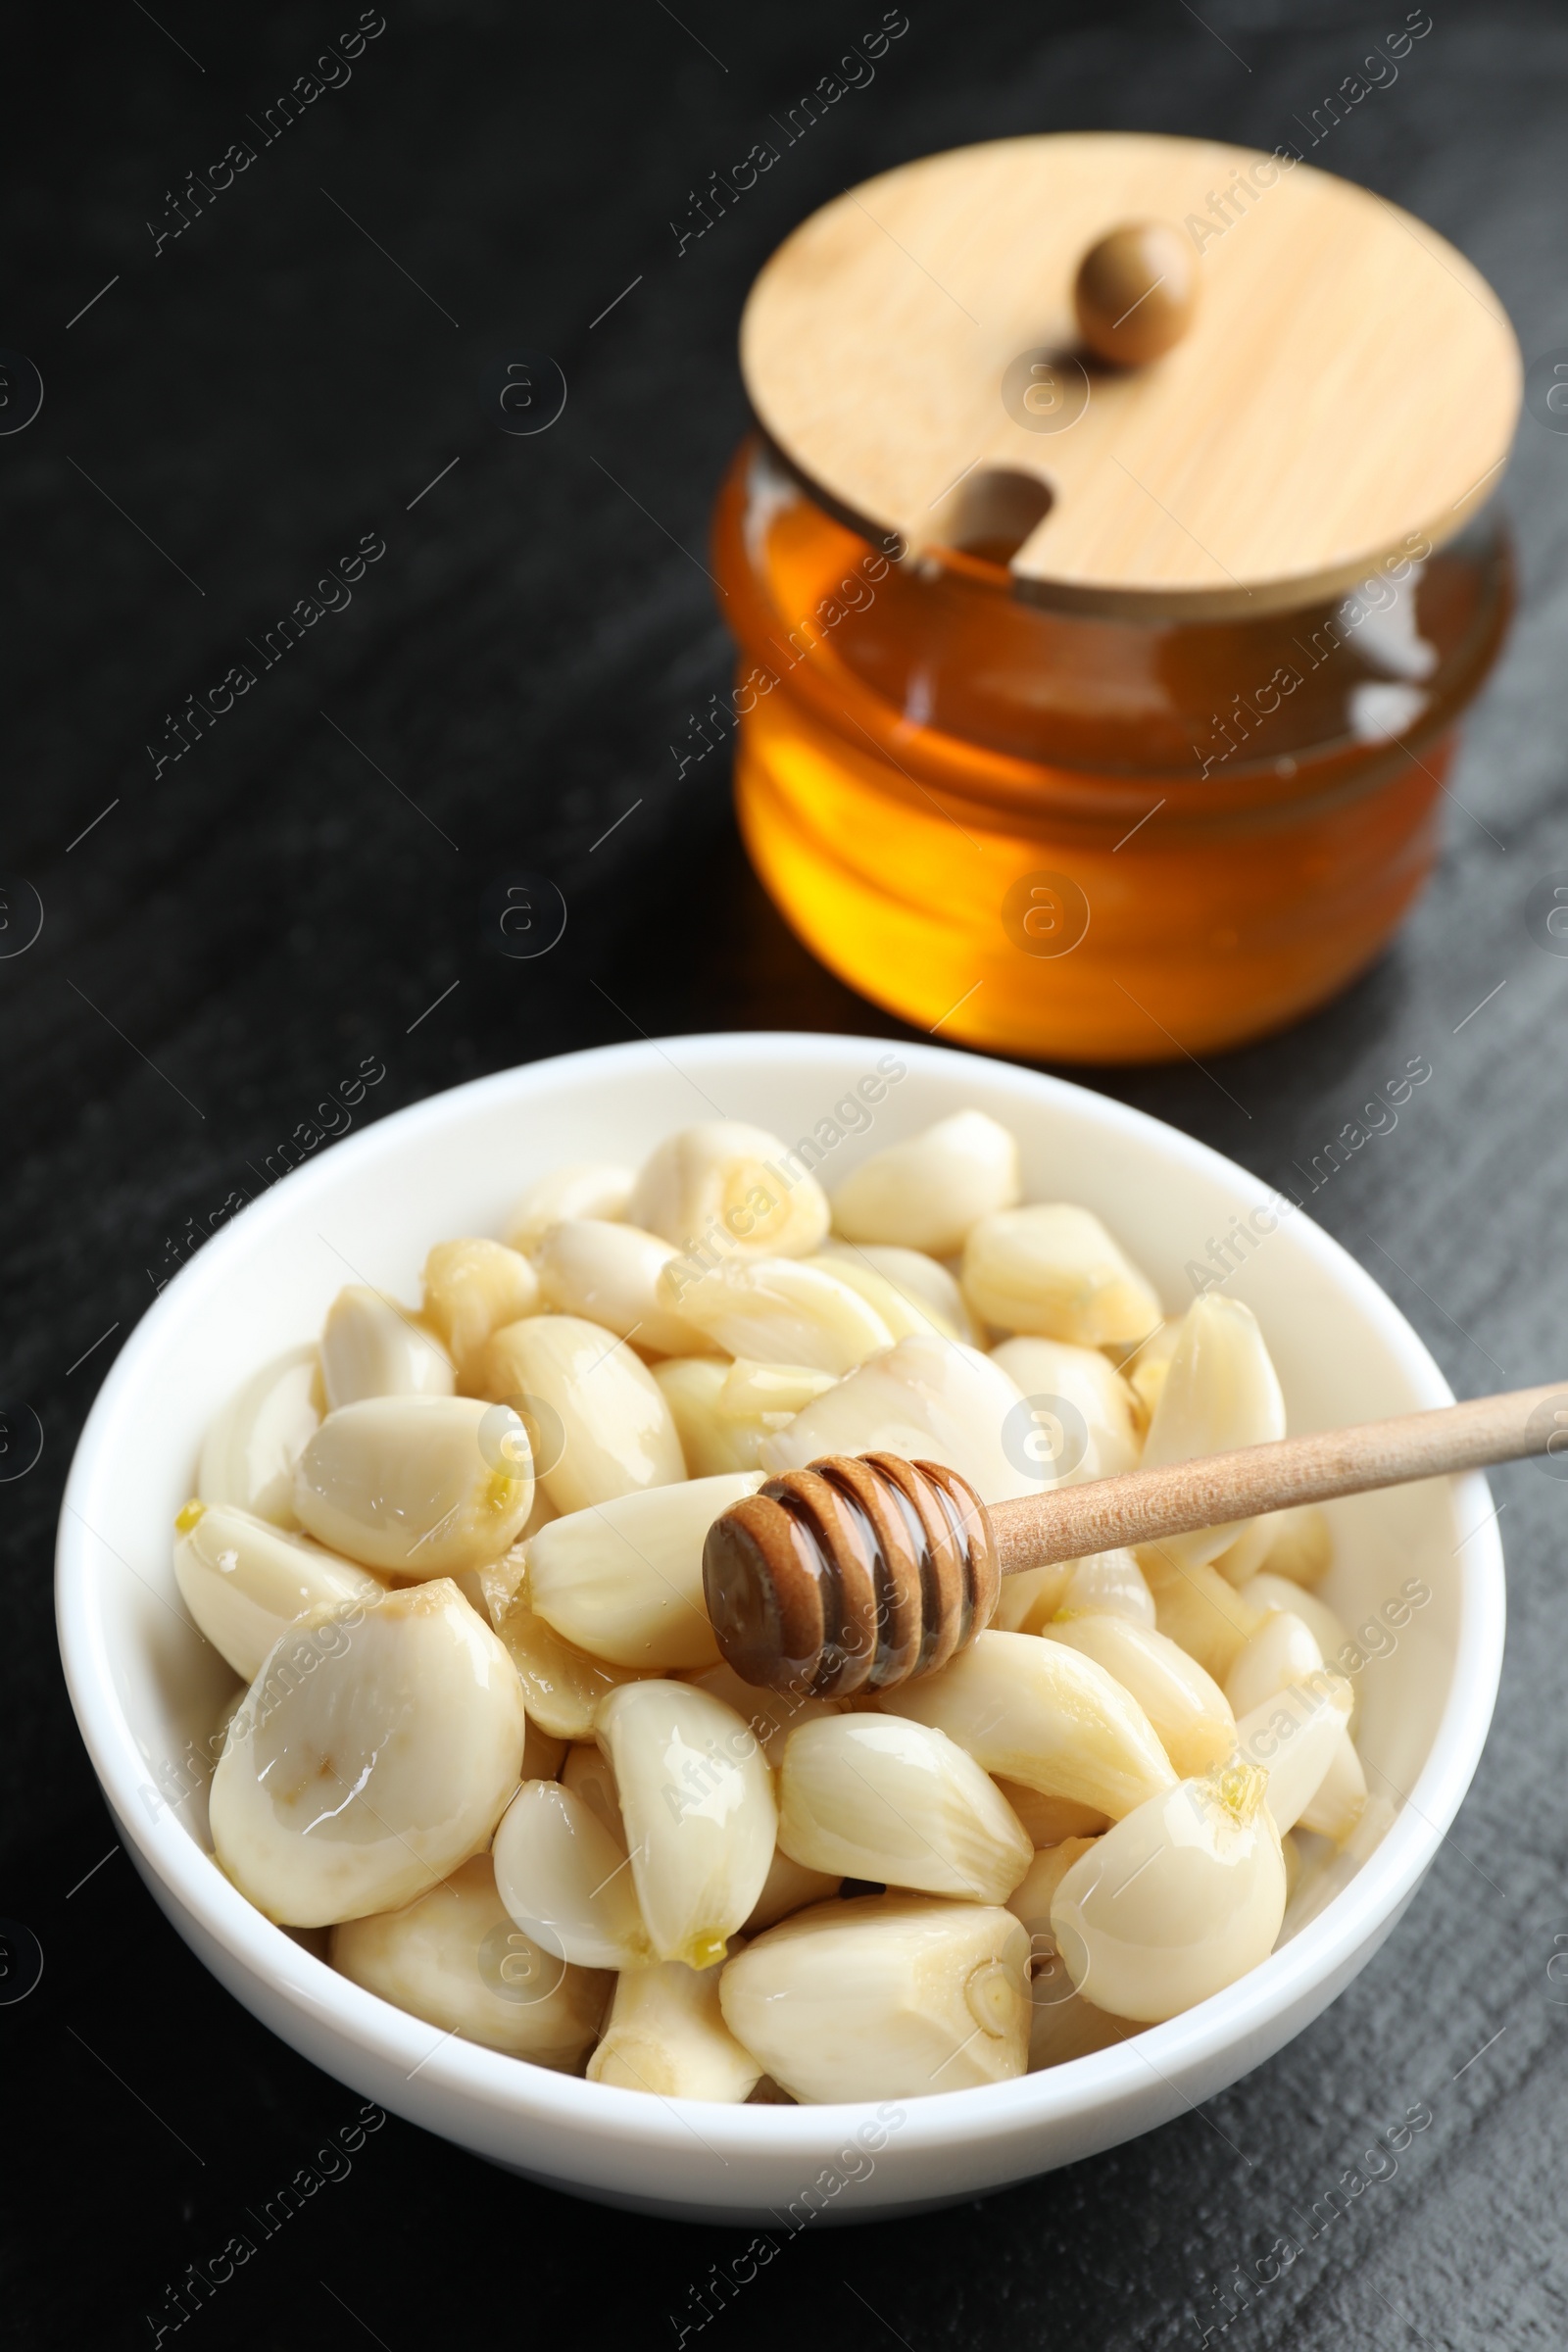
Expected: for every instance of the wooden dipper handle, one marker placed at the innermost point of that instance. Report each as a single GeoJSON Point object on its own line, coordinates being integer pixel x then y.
{"type": "Point", "coordinates": [862, 1572]}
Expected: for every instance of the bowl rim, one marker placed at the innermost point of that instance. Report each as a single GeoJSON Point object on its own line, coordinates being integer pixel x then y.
{"type": "Point", "coordinates": [1324, 1953]}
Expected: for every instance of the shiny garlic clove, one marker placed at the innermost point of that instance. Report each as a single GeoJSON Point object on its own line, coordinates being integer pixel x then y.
{"type": "Point", "coordinates": [1190, 1715]}
{"type": "Point", "coordinates": [611, 1431]}
{"type": "Point", "coordinates": [1047, 1820]}
{"type": "Point", "coordinates": [374, 1754]}
{"type": "Point", "coordinates": [563, 1687]}
{"type": "Point", "coordinates": [1197, 1609]}
{"type": "Point", "coordinates": [667, 2033]}
{"type": "Point", "coordinates": [1295, 1735]}
{"type": "Point", "coordinates": [245, 1580]}
{"type": "Point", "coordinates": [1036, 1711]}
{"type": "Point", "coordinates": [1221, 1392]}
{"type": "Point", "coordinates": [1103, 1584]}
{"type": "Point", "coordinates": [589, 1773]}
{"type": "Point", "coordinates": [929, 1399]}
{"type": "Point", "coordinates": [1031, 1899]}
{"type": "Point", "coordinates": [1340, 1799]}
{"type": "Point", "coordinates": [624, 1581]}
{"type": "Point", "coordinates": [771, 1714]}
{"type": "Point", "coordinates": [927, 1191]}
{"type": "Point", "coordinates": [372, 1347]}
{"type": "Point", "coordinates": [884, 1997]}
{"type": "Point", "coordinates": [721, 1186]}
{"type": "Point", "coordinates": [1175, 1902]}
{"type": "Point", "coordinates": [1280, 1652]}
{"type": "Point", "coordinates": [788, 1887]}
{"type": "Point", "coordinates": [1052, 1270]}
{"type": "Point", "coordinates": [472, 1288]}
{"type": "Point", "coordinates": [456, 1958]}
{"type": "Point", "coordinates": [711, 1442]}
{"type": "Point", "coordinates": [586, 1188]}
{"type": "Point", "coordinates": [250, 1450]}
{"type": "Point", "coordinates": [778, 1311]}
{"type": "Point", "coordinates": [404, 1483]}
{"type": "Point", "coordinates": [1270, 1591]}
{"type": "Point", "coordinates": [919, 1279]}
{"type": "Point", "coordinates": [1100, 1432]}
{"type": "Point", "coordinates": [903, 1311]}
{"type": "Point", "coordinates": [698, 1803]}
{"type": "Point", "coordinates": [871, 1797]}
{"type": "Point", "coordinates": [771, 1393]}
{"type": "Point", "coordinates": [609, 1273]}
{"type": "Point", "coordinates": [565, 1880]}
{"type": "Point", "coordinates": [1302, 1548]}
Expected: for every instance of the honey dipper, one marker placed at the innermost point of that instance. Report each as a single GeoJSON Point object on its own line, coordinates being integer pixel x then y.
{"type": "Point", "coordinates": [866, 1570]}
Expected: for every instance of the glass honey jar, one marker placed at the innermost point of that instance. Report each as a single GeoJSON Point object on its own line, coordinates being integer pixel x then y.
{"type": "Point", "coordinates": [1154, 785]}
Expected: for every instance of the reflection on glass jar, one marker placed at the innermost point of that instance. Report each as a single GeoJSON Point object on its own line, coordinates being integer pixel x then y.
{"type": "Point", "coordinates": [1081, 838]}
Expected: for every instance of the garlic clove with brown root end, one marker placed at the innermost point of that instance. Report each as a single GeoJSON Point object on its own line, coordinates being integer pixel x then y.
{"type": "Point", "coordinates": [1220, 1392]}
{"type": "Point", "coordinates": [1035, 1711]}
{"type": "Point", "coordinates": [884, 1996]}
{"type": "Point", "coordinates": [871, 1797]}
{"type": "Point", "coordinates": [415, 1486]}
{"type": "Point", "coordinates": [565, 1880]}
{"type": "Point", "coordinates": [723, 1187]}
{"type": "Point", "coordinates": [1190, 1713]}
{"type": "Point", "coordinates": [456, 1958]}
{"type": "Point", "coordinates": [698, 1803]}
{"type": "Point", "coordinates": [372, 1754]}
{"type": "Point", "coordinates": [1175, 1902]}
{"type": "Point", "coordinates": [665, 2032]}
{"type": "Point", "coordinates": [927, 1191]}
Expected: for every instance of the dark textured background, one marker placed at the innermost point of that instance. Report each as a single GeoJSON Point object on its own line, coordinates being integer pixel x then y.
{"type": "Point", "coordinates": [256, 397]}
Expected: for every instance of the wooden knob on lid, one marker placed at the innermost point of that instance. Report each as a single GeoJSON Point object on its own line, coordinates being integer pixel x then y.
{"type": "Point", "coordinates": [1135, 293]}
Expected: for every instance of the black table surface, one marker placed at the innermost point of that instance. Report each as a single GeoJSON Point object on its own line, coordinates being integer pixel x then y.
{"type": "Point", "coordinates": [239, 386]}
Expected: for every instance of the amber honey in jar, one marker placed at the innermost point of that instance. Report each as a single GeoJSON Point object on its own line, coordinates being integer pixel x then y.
{"type": "Point", "coordinates": [1098, 705]}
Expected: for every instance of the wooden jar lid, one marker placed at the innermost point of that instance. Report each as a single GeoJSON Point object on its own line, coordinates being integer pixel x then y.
{"type": "Point", "coordinates": [1348, 379]}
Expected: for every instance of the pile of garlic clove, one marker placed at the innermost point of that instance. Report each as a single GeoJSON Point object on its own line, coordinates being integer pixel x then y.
{"type": "Point", "coordinates": [488, 1742]}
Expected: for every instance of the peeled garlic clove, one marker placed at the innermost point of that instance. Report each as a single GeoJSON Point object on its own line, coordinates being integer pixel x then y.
{"type": "Point", "coordinates": [1295, 1735]}
{"type": "Point", "coordinates": [567, 1882]}
{"type": "Point", "coordinates": [770, 1394]}
{"type": "Point", "coordinates": [1107, 1583]}
{"type": "Point", "coordinates": [1047, 1820]}
{"type": "Point", "coordinates": [771, 1714]}
{"type": "Point", "coordinates": [1099, 1433]}
{"type": "Point", "coordinates": [455, 1957]}
{"type": "Point", "coordinates": [711, 1442]}
{"type": "Point", "coordinates": [406, 1484]}
{"type": "Point", "coordinates": [1191, 1716]}
{"type": "Point", "coordinates": [1031, 1899]}
{"type": "Point", "coordinates": [1052, 1270]}
{"type": "Point", "coordinates": [927, 1191]}
{"type": "Point", "coordinates": [1221, 1392]}
{"type": "Point", "coordinates": [698, 1803]}
{"type": "Point", "coordinates": [371, 1347]}
{"type": "Point", "coordinates": [1144, 1370]}
{"type": "Point", "coordinates": [472, 1288]}
{"type": "Point", "coordinates": [603, 1424]}
{"type": "Point", "coordinates": [563, 1687]}
{"type": "Point", "coordinates": [250, 1450]}
{"type": "Point", "coordinates": [245, 1580]}
{"type": "Point", "coordinates": [1270, 1591]}
{"type": "Point", "coordinates": [1028, 1600]}
{"type": "Point", "coordinates": [667, 2033]}
{"type": "Point", "coordinates": [375, 1751]}
{"type": "Point", "coordinates": [884, 1997]}
{"type": "Point", "coordinates": [1197, 1609]}
{"type": "Point", "coordinates": [722, 1186]}
{"type": "Point", "coordinates": [1036, 1711]}
{"type": "Point", "coordinates": [902, 1311]}
{"type": "Point", "coordinates": [588, 1774]}
{"type": "Point", "coordinates": [624, 1581]}
{"type": "Point", "coordinates": [1340, 1799]}
{"type": "Point", "coordinates": [1241, 1561]}
{"type": "Point", "coordinates": [1063, 2024]}
{"type": "Point", "coordinates": [789, 1887]}
{"type": "Point", "coordinates": [778, 1311]}
{"type": "Point", "coordinates": [897, 1803]}
{"type": "Point", "coordinates": [930, 1399]}
{"type": "Point", "coordinates": [1282, 1651]}
{"type": "Point", "coordinates": [922, 1280]}
{"type": "Point", "coordinates": [1175, 1902]}
{"type": "Point", "coordinates": [586, 1188]}
{"type": "Point", "coordinates": [1323, 1877]}
{"type": "Point", "coordinates": [1302, 1548]}
{"type": "Point", "coordinates": [610, 1274]}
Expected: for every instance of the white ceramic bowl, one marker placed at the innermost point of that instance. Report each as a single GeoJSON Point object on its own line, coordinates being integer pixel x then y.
{"type": "Point", "coordinates": [143, 1684]}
